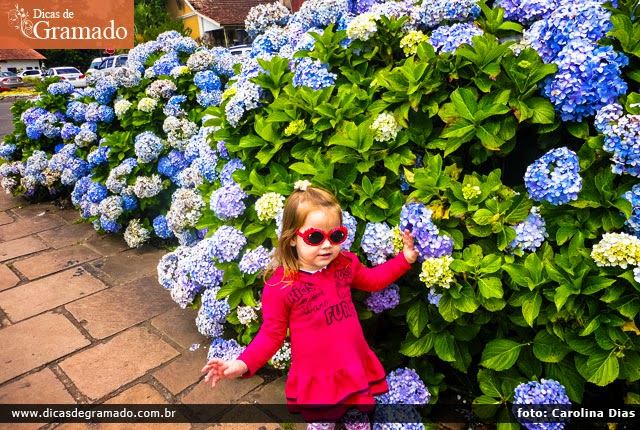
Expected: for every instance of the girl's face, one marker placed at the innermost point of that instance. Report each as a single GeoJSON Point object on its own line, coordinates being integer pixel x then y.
{"type": "Point", "coordinates": [312, 258]}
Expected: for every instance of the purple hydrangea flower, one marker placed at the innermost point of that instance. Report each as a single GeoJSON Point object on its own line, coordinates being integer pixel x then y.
{"type": "Point", "coordinates": [416, 218]}
{"type": "Point", "coordinates": [227, 202]}
{"type": "Point", "coordinates": [387, 298]}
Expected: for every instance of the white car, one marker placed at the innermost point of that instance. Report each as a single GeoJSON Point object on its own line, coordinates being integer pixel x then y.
{"type": "Point", "coordinates": [31, 73]}
{"type": "Point", "coordinates": [110, 64]}
{"type": "Point", "coordinates": [69, 74]}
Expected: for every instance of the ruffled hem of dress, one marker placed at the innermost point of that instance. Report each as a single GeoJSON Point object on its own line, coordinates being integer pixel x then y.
{"type": "Point", "coordinates": [363, 380]}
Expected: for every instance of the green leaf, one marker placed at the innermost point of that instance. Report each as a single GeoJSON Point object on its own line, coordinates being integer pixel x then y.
{"type": "Point", "coordinates": [500, 354]}
{"type": "Point", "coordinates": [490, 287]}
{"type": "Point", "coordinates": [601, 368]}
{"type": "Point", "coordinates": [531, 307]}
{"type": "Point", "coordinates": [444, 346]}
{"type": "Point", "coordinates": [543, 111]}
{"type": "Point", "coordinates": [549, 348]}
{"type": "Point", "coordinates": [417, 317]}
{"type": "Point", "coordinates": [412, 347]}
{"type": "Point", "coordinates": [489, 383]}
{"type": "Point", "coordinates": [465, 103]}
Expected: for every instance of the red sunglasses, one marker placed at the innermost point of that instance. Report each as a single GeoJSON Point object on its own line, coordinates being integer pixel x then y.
{"type": "Point", "coordinates": [315, 236]}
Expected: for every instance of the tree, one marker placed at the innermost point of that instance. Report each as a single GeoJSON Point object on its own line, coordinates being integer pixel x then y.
{"type": "Point", "coordinates": [152, 18]}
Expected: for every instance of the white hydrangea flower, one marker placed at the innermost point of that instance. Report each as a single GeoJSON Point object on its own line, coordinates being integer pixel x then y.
{"type": "Point", "coordinates": [268, 206]}
{"type": "Point", "coordinates": [385, 127]}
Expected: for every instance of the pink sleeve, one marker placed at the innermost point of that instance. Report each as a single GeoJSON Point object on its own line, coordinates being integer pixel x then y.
{"type": "Point", "coordinates": [270, 337]}
{"type": "Point", "coordinates": [378, 277]}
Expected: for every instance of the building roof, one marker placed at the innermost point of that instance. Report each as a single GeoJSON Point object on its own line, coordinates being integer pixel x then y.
{"type": "Point", "coordinates": [226, 12]}
{"type": "Point", "coordinates": [20, 54]}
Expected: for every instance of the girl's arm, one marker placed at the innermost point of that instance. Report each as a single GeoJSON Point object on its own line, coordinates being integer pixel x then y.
{"type": "Point", "coordinates": [379, 277]}
{"type": "Point", "coordinates": [270, 337]}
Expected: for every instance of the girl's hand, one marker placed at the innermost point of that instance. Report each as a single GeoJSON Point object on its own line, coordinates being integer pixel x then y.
{"type": "Point", "coordinates": [409, 250]}
{"type": "Point", "coordinates": [218, 369]}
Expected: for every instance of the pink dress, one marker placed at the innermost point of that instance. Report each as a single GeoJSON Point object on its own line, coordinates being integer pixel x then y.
{"type": "Point", "coordinates": [331, 363]}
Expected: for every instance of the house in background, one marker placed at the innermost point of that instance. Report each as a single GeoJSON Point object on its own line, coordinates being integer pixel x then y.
{"type": "Point", "coordinates": [17, 60]}
{"type": "Point", "coordinates": [215, 22]}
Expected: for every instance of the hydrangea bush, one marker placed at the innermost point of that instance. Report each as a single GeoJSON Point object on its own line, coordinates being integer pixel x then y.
{"type": "Point", "coordinates": [508, 148]}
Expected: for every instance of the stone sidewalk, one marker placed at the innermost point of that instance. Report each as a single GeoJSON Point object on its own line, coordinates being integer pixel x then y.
{"type": "Point", "coordinates": [84, 320]}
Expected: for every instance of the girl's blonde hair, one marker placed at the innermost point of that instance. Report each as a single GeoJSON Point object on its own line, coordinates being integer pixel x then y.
{"type": "Point", "coordinates": [296, 208]}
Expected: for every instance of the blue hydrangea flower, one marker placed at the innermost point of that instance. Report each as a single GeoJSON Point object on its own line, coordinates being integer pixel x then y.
{"type": "Point", "coordinates": [621, 138]}
{"type": "Point", "coordinates": [228, 169]}
{"type": "Point", "coordinates": [447, 38]}
{"type": "Point", "coordinates": [216, 309]}
{"type": "Point", "coordinates": [30, 115]}
{"type": "Point", "coordinates": [633, 223]}
{"type": "Point", "coordinates": [7, 150]}
{"type": "Point", "coordinates": [207, 80]}
{"type": "Point", "coordinates": [555, 177]}
{"type": "Point", "coordinates": [589, 77]}
{"type": "Point", "coordinates": [405, 387]}
{"type": "Point", "coordinates": [545, 392]}
{"type": "Point", "coordinates": [397, 417]}
{"type": "Point", "coordinates": [227, 242]}
{"type": "Point", "coordinates": [377, 242]}
{"type": "Point", "coordinates": [255, 260]}
{"type": "Point", "coordinates": [105, 89]}
{"type": "Point", "coordinates": [224, 349]}
{"type": "Point", "coordinates": [431, 13]}
{"type": "Point", "coordinates": [147, 146]}
{"type": "Point", "coordinates": [227, 202]}
{"type": "Point", "coordinates": [209, 98]}
{"type": "Point", "coordinates": [98, 156]}
{"type": "Point", "coordinates": [527, 11]}
{"type": "Point", "coordinates": [571, 20]}
{"type": "Point", "coordinates": [387, 298]}
{"type": "Point", "coordinates": [530, 233]}
{"type": "Point", "coordinates": [172, 164]}
{"type": "Point", "coordinates": [351, 223]}
{"type": "Point", "coordinates": [160, 227]}
{"type": "Point", "coordinates": [313, 74]}
{"type": "Point", "coordinates": [60, 88]}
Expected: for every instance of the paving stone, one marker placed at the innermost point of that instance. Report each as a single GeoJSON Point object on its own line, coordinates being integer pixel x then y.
{"type": "Point", "coordinates": [41, 387]}
{"type": "Point", "coordinates": [107, 244]}
{"type": "Point", "coordinates": [5, 219]}
{"type": "Point", "coordinates": [19, 247]}
{"type": "Point", "coordinates": [28, 226]}
{"type": "Point", "coordinates": [54, 261]}
{"type": "Point", "coordinates": [141, 394]}
{"type": "Point", "coordinates": [30, 210]}
{"type": "Point", "coordinates": [271, 393]}
{"type": "Point", "coordinates": [118, 308]}
{"type": "Point", "coordinates": [128, 266]}
{"type": "Point", "coordinates": [72, 216]}
{"type": "Point", "coordinates": [259, 420]}
{"type": "Point", "coordinates": [37, 341]}
{"type": "Point", "coordinates": [8, 279]}
{"type": "Point", "coordinates": [182, 372]}
{"type": "Point", "coordinates": [48, 293]}
{"type": "Point", "coordinates": [103, 368]}
{"type": "Point", "coordinates": [66, 235]}
{"type": "Point", "coordinates": [8, 201]}
{"type": "Point", "coordinates": [226, 391]}
{"type": "Point", "coordinates": [179, 324]}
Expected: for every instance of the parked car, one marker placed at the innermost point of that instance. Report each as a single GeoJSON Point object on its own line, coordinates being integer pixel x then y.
{"type": "Point", "coordinates": [9, 81]}
{"type": "Point", "coordinates": [31, 73]}
{"type": "Point", "coordinates": [240, 49]}
{"type": "Point", "coordinates": [94, 65]}
{"type": "Point", "coordinates": [111, 64]}
{"type": "Point", "coordinates": [70, 74]}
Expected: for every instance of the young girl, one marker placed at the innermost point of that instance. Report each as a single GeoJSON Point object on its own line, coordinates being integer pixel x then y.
{"type": "Point", "coordinates": [333, 370]}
